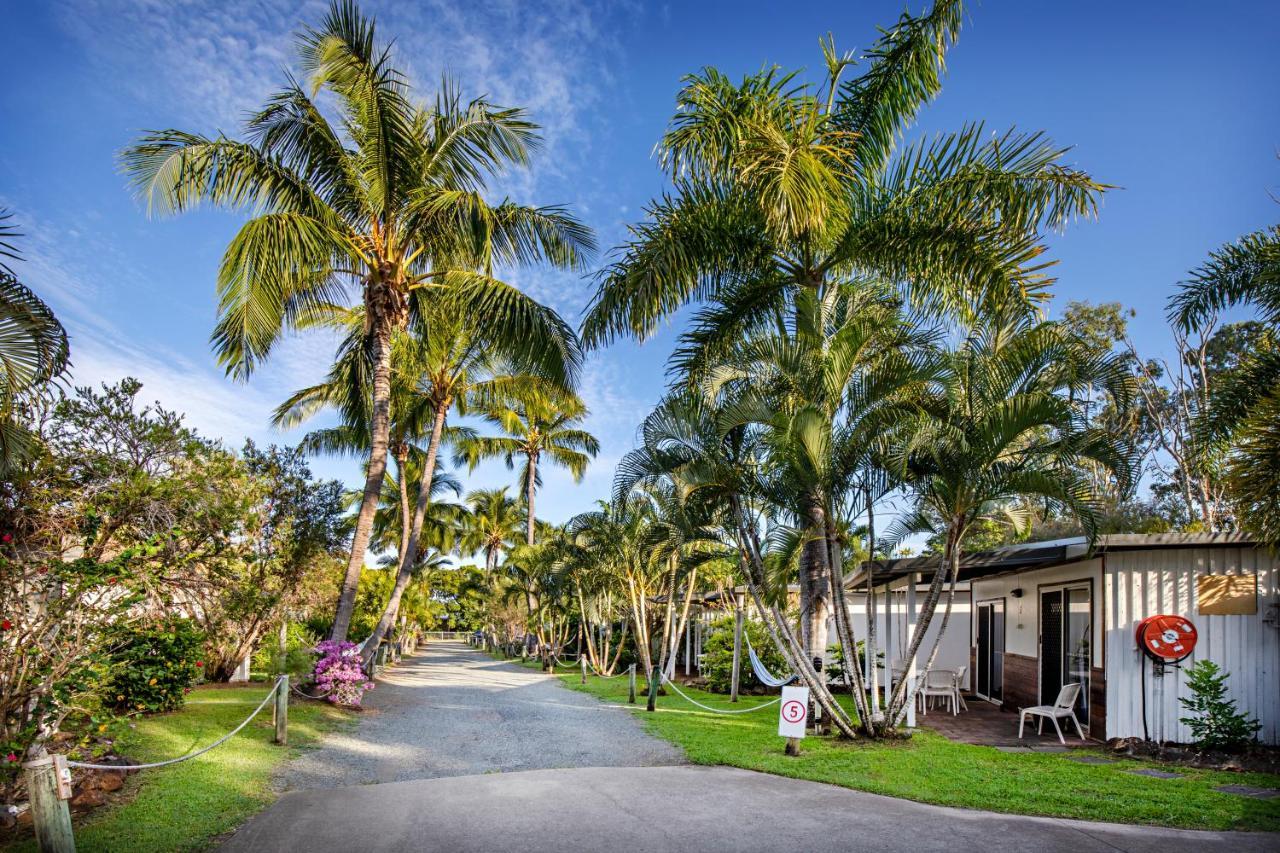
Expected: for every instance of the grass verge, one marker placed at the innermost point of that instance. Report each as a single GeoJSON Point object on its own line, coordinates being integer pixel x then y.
{"type": "Point", "coordinates": [187, 806]}
{"type": "Point", "coordinates": [931, 769]}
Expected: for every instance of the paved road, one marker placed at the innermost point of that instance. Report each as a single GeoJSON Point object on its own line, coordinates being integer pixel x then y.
{"type": "Point", "coordinates": [673, 810]}
{"type": "Point", "coordinates": [454, 713]}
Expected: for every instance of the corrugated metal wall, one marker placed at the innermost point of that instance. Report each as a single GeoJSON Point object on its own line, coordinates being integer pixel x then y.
{"type": "Point", "coordinates": [1138, 584]}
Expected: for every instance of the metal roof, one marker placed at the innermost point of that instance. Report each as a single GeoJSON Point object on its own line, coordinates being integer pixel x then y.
{"type": "Point", "coordinates": [1032, 555]}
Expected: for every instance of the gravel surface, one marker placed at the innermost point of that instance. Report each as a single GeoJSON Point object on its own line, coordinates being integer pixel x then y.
{"type": "Point", "coordinates": [452, 711]}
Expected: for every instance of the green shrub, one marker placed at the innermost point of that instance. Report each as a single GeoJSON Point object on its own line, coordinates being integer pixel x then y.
{"type": "Point", "coordinates": [1214, 722]}
{"type": "Point", "coordinates": [717, 656]}
{"type": "Point", "coordinates": [300, 655]}
{"type": "Point", "coordinates": [153, 665]}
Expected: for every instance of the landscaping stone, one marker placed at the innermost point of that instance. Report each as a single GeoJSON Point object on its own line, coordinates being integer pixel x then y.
{"type": "Point", "coordinates": [1157, 774]}
{"type": "Point", "coordinates": [1014, 748]}
{"type": "Point", "coordinates": [1249, 791]}
{"type": "Point", "coordinates": [1090, 759]}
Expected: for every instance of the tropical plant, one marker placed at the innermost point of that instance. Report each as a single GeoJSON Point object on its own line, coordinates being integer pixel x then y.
{"type": "Point", "coordinates": [386, 202]}
{"type": "Point", "coordinates": [537, 425]}
{"type": "Point", "coordinates": [1000, 431]}
{"type": "Point", "coordinates": [1214, 719]}
{"type": "Point", "coordinates": [1236, 426]}
{"type": "Point", "coordinates": [33, 351]}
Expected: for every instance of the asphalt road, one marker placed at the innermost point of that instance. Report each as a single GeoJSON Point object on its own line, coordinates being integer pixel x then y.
{"type": "Point", "coordinates": [673, 810]}
{"type": "Point", "coordinates": [430, 768]}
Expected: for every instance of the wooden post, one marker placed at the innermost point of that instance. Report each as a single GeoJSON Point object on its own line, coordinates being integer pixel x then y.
{"type": "Point", "coordinates": [50, 815]}
{"type": "Point", "coordinates": [582, 660]}
{"type": "Point", "coordinates": [282, 711]}
{"type": "Point", "coordinates": [793, 746]}
{"type": "Point", "coordinates": [631, 684]}
{"type": "Point", "coordinates": [737, 653]}
{"type": "Point", "coordinates": [655, 677]}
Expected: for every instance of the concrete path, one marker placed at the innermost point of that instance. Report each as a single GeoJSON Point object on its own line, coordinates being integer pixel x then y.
{"type": "Point", "coordinates": [452, 711]}
{"type": "Point", "coordinates": [674, 810]}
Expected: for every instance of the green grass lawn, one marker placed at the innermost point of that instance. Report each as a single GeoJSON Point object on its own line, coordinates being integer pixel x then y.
{"type": "Point", "coordinates": [931, 769]}
{"type": "Point", "coordinates": [188, 805]}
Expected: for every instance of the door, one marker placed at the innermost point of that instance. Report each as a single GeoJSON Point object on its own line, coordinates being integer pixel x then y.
{"type": "Point", "coordinates": [989, 677]}
{"type": "Point", "coordinates": [1066, 644]}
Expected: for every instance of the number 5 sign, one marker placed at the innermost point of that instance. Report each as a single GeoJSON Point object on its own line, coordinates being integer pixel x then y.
{"type": "Point", "coordinates": [793, 711]}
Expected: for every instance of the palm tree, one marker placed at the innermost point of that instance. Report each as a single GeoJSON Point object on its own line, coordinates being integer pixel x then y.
{"type": "Point", "coordinates": [493, 525]}
{"type": "Point", "coordinates": [1239, 423]}
{"type": "Point", "coordinates": [538, 426]}
{"type": "Point", "coordinates": [780, 187]}
{"type": "Point", "coordinates": [824, 387]}
{"type": "Point", "coordinates": [386, 203]}
{"type": "Point", "coordinates": [33, 351]}
{"type": "Point", "coordinates": [1002, 427]}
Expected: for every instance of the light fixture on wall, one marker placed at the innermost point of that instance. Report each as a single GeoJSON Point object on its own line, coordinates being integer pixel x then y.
{"type": "Point", "coordinates": [1016, 592]}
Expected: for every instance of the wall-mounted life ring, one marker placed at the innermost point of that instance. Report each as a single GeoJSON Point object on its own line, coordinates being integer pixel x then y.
{"type": "Point", "coordinates": [1167, 639]}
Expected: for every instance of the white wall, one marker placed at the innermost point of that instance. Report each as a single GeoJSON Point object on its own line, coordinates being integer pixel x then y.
{"type": "Point", "coordinates": [1146, 583]}
{"type": "Point", "coordinates": [952, 654]}
{"type": "Point", "coordinates": [1022, 615]}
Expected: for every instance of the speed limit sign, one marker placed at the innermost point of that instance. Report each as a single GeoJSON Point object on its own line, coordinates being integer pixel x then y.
{"type": "Point", "coordinates": [793, 711]}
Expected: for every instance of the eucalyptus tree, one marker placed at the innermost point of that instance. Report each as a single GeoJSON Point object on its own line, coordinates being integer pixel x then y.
{"type": "Point", "coordinates": [385, 202]}
{"type": "Point", "coordinates": [1004, 428]}
{"type": "Point", "coordinates": [1238, 425]}
{"type": "Point", "coordinates": [537, 425]}
{"type": "Point", "coordinates": [33, 351]}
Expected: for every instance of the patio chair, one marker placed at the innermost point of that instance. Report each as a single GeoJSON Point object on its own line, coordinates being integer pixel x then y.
{"type": "Point", "coordinates": [960, 687]}
{"type": "Point", "coordinates": [939, 683]}
{"type": "Point", "coordinates": [1062, 708]}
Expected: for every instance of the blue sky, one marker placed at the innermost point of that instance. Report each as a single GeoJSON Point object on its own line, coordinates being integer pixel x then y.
{"type": "Point", "coordinates": [1174, 102]}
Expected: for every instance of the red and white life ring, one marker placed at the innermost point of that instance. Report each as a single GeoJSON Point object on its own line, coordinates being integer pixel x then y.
{"type": "Point", "coordinates": [1166, 638]}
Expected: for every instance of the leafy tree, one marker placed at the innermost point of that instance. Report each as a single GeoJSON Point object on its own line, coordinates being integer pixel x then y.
{"type": "Point", "coordinates": [387, 201]}
{"type": "Point", "coordinates": [1236, 427]}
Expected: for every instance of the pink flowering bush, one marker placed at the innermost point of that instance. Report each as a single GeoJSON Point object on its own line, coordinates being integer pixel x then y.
{"type": "Point", "coordinates": [338, 673]}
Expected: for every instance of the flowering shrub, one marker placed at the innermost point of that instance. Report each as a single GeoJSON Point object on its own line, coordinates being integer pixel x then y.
{"type": "Point", "coordinates": [339, 674]}
{"type": "Point", "coordinates": [153, 666]}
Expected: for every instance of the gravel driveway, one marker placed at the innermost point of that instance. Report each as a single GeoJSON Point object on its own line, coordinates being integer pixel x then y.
{"type": "Point", "coordinates": [452, 711]}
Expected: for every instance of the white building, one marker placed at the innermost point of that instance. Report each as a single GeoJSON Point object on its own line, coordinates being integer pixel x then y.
{"type": "Point", "coordinates": [1045, 614]}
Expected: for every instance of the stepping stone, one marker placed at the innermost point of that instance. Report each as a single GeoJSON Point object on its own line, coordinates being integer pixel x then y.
{"type": "Point", "coordinates": [1014, 748]}
{"type": "Point", "coordinates": [1249, 791]}
{"type": "Point", "coordinates": [1051, 748]}
{"type": "Point", "coordinates": [1090, 759]}
{"type": "Point", "coordinates": [1157, 774]}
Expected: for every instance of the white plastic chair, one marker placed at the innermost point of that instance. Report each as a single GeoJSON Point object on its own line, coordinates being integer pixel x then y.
{"type": "Point", "coordinates": [1062, 708]}
{"type": "Point", "coordinates": [940, 683]}
{"type": "Point", "coordinates": [960, 687]}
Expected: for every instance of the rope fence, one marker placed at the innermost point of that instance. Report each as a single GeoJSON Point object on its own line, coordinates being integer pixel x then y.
{"type": "Point", "coordinates": [49, 778]}
{"type": "Point", "coordinates": [775, 700]}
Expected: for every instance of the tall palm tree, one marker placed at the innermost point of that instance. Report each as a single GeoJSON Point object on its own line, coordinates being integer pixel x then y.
{"type": "Point", "coordinates": [538, 426]}
{"type": "Point", "coordinates": [1240, 421]}
{"type": "Point", "coordinates": [1003, 427]}
{"type": "Point", "coordinates": [779, 186]}
{"type": "Point", "coordinates": [33, 351]}
{"type": "Point", "coordinates": [386, 202]}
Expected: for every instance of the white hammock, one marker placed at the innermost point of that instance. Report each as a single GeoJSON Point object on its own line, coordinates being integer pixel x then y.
{"type": "Point", "coordinates": [763, 675]}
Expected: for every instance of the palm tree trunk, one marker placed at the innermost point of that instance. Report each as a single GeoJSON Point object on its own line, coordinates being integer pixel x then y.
{"type": "Point", "coordinates": [377, 467]}
{"type": "Point", "coordinates": [815, 563]}
{"type": "Point", "coordinates": [410, 555]}
{"type": "Point", "coordinates": [528, 495]}
{"type": "Point", "coordinates": [402, 457]}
